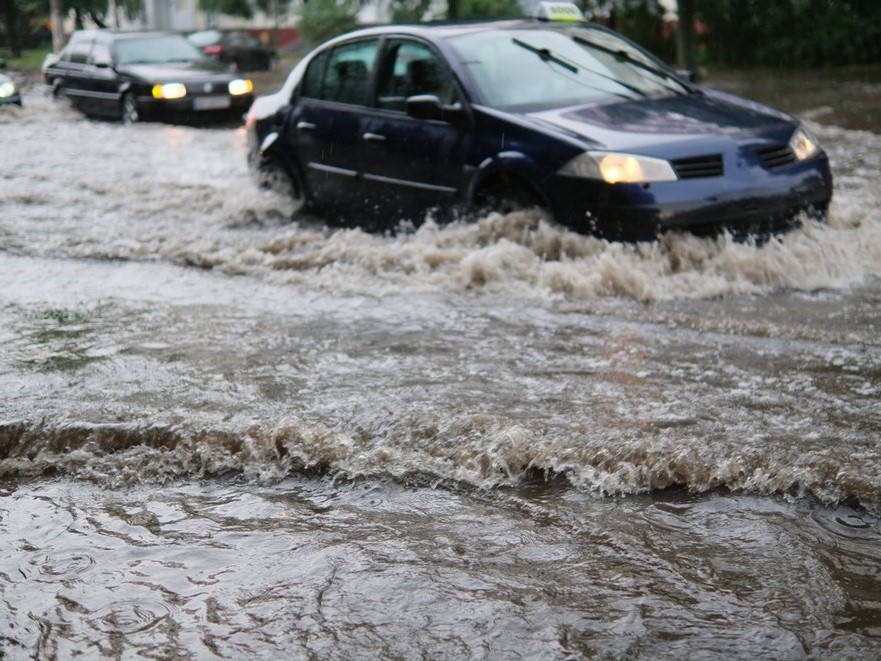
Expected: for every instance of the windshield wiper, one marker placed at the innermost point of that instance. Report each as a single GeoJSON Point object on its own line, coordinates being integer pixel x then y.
{"type": "Point", "coordinates": [546, 55]}
{"type": "Point", "coordinates": [627, 57]}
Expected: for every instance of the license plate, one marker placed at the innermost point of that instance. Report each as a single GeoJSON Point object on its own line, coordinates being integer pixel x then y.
{"type": "Point", "coordinates": [211, 102]}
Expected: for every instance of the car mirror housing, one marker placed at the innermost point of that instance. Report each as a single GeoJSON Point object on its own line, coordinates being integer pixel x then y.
{"type": "Point", "coordinates": [428, 106]}
{"type": "Point", "coordinates": [424, 106]}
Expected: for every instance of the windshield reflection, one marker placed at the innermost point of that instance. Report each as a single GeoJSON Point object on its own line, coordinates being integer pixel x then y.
{"type": "Point", "coordinates": [527, 70]}
{"type": "Point", "coordinates": [156, 50]}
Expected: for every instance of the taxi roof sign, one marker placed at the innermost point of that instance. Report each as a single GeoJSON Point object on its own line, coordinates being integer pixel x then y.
{"type": "Point", "coordinates": [559, 11]}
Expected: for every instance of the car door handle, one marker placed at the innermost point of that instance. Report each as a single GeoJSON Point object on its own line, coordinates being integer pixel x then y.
{"type": "Point", "coordinates": [373, 137]}
{"type": "Point", "coordinates": [305, 126]}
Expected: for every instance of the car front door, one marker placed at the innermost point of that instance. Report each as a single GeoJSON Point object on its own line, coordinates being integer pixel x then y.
{"type": "Point", "coordinates": [414, 164]}
{"type": "Point", "coordinates": [326, 126]}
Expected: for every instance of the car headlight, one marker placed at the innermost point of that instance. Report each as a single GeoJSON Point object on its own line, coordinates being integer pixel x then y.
{"type": "Point", "coordinates": [240, 86]}
{"type": "Point", "coordinates": [6, 90]}
{"type": "Point", "coordinates": [614, 168]}
{"type": "Point", "coordinates": [169, 91]}
{"type": "Point", "coordinates": [803, 144]}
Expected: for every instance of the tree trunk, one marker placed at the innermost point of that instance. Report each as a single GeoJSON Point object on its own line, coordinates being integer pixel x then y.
{"type": "Point", "coordinates": [685, 53]}
{"type": "Point", "coordinates": [56, 16]}
{"type": "Point", "coordinates": [10, 17]}
{"type": "Point", "coordinates": [452, 8]}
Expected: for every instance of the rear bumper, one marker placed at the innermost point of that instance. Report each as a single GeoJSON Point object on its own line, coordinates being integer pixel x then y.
{"type": "Point", "coordinates": [751, 201]}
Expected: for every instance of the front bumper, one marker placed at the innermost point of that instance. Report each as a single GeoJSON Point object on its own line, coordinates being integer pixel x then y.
{"type": "Point", "coordinates": [748, 201]}
{"type": "Point", "coordinates": [15, 99]}
{"type": "Point", "coordinates": [195, 105]}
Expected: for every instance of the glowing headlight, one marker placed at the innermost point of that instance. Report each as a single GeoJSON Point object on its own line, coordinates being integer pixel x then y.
{"type": "Point", "coordinates": [803, 144]}
{"type": "Point", "coordinates": [614, 168]}
{"type": "Point", "coordinates": [240, 86]}
{"type": "Point", "coordinates": [169, 91]}
{"type": "Point", "coordinates": [6, 90]}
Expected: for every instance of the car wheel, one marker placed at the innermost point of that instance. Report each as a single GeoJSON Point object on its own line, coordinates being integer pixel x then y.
{"type": "Point", "coordinates": [279, 181]}
{"type": "Point", "coordinates": [129, 109]}
{"type": "Point", "coordinates": [505, 193]}
{"type": "Point", "coordinates": [58, 89]}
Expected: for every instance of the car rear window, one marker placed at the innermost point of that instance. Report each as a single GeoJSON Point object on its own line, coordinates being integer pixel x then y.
{"type": "Point", "coordinates": [342, 76]}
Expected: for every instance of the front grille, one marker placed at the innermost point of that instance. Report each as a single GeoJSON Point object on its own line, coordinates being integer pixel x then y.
{"type": "Point", "coordinates": [699, 167]}
{"type": "Point", "coordinates": [777, 156]}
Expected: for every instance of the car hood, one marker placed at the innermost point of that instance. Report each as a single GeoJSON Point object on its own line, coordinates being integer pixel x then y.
{"type": "Point", "coordinates": [645, 123]}
{"type": "Point", "coordinates": [177, 72]}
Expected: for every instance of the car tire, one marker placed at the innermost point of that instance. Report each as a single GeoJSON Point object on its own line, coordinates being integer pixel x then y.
{"type": "Point", "coordinates": [506, 193]}
{"type": "Point", "coordinates": [58, 90]}
{"type": "Point", "coordinates": [278, 180]}
{"type": "Point", "coordinates": [128, 109]}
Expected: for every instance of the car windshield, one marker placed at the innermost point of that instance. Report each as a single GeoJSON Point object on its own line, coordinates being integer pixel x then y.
{"type": "Point", "coordinates": [156, 50]}
{"type": "Point", "coordinates": [527, 70]}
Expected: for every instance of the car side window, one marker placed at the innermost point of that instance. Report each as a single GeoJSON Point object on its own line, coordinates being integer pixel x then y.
{"type": "Point", "coordinates": [411, 68]}
{"type": "Point", "coordinates": [79, 52]}
{"type": "Point", "coordinates": [311, 85]}
{"type": "Point", "coordinates": [347, 74]}
{"type": "Point", "coordinates": [100, 54]}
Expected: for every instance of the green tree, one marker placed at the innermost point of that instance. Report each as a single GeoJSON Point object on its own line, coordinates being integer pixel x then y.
{"type": "Point", "coordinates": [322, 20]}
{"type": "Point", "coordinates": [241, 8]}
{"type": "Point", "coordinates": [488, 8]}
{"type": "Point", "coordinates": [790, 32]}
{"type": "Point", "coordinates": [408, 11]}
{"type": "Point", "coordinates": [96, 10]}
{"type": "Point", "coordinates": [22, 24]}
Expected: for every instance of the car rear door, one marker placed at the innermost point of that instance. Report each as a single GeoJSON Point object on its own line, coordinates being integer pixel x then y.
{"type": "Point", "coordinates": [326, 126]}
{"type": "Point", "coordinates": [74, 64]}
{"type": "Point", "coordinates": [101, 80]}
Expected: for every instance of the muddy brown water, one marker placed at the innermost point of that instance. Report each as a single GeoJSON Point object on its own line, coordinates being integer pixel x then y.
{"type": "Point", "coordinates": [227, 435]}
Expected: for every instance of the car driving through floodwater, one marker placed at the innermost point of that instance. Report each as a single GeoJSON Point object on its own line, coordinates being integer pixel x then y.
{"type": "Point", "coordinates": [567, 116]}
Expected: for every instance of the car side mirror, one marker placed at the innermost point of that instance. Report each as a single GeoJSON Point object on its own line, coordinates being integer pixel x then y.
{"type": "Point", "coordinates": [687, 75]}
{"type": "Point", "coordinates": [102, 63]}
{"type": "Point", "coordinates": [428, 106]}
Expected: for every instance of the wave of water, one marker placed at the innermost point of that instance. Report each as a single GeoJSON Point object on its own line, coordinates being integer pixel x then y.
{"type": "Point", "coordinates": [478, 451]}
{"type": "Point", "coordinates": [183, 197]}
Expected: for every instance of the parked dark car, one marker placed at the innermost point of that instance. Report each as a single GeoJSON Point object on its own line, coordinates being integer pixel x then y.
{"type": "Point", "coordinates": [569, 116]}
{"type": "Point", "coordinates": [143, 75]}
{"type": "Point", "coordinates": [239, 50]}
{"type": "Point", "coordinates": [9, 92]}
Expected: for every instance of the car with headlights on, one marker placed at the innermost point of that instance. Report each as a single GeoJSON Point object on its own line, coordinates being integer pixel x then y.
{"type": "Point", "coordinates": [9, 92]}
{"type": "Point", "coordinates": [237, 49]}
{"type": "Point", "coordinates": [384, 123]}
{"type": "Point", "coordinates": [144, 75]}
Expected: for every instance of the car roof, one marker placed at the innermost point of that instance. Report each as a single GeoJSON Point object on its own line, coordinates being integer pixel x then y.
{"type": "Point", "coordinates": [451, 28]}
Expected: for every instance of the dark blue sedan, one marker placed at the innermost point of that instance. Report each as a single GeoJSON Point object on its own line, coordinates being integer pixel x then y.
{"type": "Point", "coordinates": [384, 123]}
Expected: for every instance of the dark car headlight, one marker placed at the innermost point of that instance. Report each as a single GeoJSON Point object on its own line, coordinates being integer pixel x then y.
{"type": "Point", "coordinates": [7, 89]}
{"type": "Point", "coordinates": [803, 144]}
{"type": "Point", "coordinates": [615, 167]}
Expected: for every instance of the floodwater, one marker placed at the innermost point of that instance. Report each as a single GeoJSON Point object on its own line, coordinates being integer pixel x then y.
{"type": "Point", "coordinates": [227, 435]}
